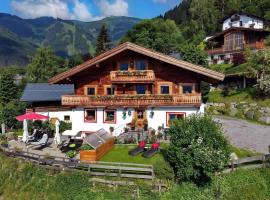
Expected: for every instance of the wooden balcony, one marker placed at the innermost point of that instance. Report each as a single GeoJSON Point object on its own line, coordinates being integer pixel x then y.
{"type": "Point", "coordinates": [222, 50]}
{"type": "Point", "coordinates": [134, 76]}
{"type": "Point", "coordinates": [134, 100]}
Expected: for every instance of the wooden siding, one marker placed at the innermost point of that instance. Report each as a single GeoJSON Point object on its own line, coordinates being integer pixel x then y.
{"type": "Point", "coordinates": [97, 154]}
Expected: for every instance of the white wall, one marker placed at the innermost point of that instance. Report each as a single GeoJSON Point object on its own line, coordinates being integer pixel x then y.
{"type": "Point", "coordinates": [159, 118]}
{"type": "Point", "coordinates": [160, 113]}
{"type": "Point", "coordinates": [78, 123]}
{"type": "Point", "coordinates": [246, 21]}
{"type": "Point", "coordinates": [57, 114]}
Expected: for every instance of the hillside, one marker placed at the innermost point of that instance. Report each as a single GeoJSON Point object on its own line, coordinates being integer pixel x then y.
{"type": "Point", "coordinates": [20, 37]}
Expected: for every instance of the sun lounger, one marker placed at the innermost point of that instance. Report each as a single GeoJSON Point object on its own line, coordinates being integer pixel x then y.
{"type": "Point", "coordinates": [154, 149]}
{"type": "Point", "coordinates": [42, 142]}
{"type": "Point", "coordinates": [139, 149]}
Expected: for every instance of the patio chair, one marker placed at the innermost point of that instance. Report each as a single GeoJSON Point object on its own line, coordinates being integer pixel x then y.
{"type": "Point", "coordinates": [42, 142]}
{"type": "Point", "coordinates": [139, 149]}
{"type": "Point", "coordinates": [32, 137]}
{"type": "Point", "coordinates": [151, 152]}
{"type": "Point", "coordinates": [65, 145]}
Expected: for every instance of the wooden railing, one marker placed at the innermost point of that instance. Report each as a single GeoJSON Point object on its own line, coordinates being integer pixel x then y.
{"type": "Point", "coordinates": [96, 168]}
{"type": "Point", "coordinates": [134, 100]}
{"type": "Point", "coordinates": [139, 76]}
{"type": "Point", "coordinates": [220, 50]}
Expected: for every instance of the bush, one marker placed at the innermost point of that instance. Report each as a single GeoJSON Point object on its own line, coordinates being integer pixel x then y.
{"type": "Point", "coordinates": [198, 148]}
{"type": "Point", "coordinates": [163, 170]}
{"type": "Point", "coordinates": [65, 126]}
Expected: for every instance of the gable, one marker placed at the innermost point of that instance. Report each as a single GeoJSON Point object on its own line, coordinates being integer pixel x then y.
{"type": "Point", "coordinates": [212, 75]}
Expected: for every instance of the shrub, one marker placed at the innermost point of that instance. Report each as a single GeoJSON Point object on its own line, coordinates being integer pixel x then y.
{"type": "Point", "coordinates": [71, 154]}
{"type": "Point", "coordinates": [65, 126]}
{"type": "Point", "coordinates": [198, 148]}
{"type": "Point", "coordinates": [163, 170]}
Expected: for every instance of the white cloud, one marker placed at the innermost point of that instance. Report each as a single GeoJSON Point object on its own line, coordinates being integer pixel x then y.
{"type": "Point", "coordinates": [39, 8]}
{"type": "Point", "coordinates": [81, 12]}
{"type": "Point", "coordinates": [53, 8]}
{"type": "Point", "coordinates": [115, 8]}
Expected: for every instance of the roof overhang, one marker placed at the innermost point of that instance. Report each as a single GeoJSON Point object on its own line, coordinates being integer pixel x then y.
{"type": "Point", "coordinates": [213, 75]}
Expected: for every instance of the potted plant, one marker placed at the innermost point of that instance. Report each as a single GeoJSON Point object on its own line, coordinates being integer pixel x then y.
{"type": "Point", "coordinates": [145, 124]}
{"type": "Point", "coordinates": [71, 154]}
{"type": "Point", "coordinates": [133, 124]}
{"type": "Point", "coordinates": [111, 129]}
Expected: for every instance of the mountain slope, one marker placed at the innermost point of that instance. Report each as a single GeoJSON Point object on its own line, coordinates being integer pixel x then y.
{"type": "Point", "coordinates": [20, 37]}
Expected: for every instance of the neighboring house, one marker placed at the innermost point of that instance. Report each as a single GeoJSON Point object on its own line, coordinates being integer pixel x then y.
{"type": "Point", "coordinates": [239, 31]}
{"type": "Point", "coordinates": [125, 83]}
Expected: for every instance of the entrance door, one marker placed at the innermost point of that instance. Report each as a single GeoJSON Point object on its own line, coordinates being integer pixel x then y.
{"type": "Point", "coordinates": [140, 114]}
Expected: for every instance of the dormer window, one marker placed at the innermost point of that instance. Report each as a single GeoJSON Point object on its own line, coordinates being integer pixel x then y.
{"type": "Point", "coordinates": [140, 65]}
{"type": "Point", "coordinates": [123, 66]}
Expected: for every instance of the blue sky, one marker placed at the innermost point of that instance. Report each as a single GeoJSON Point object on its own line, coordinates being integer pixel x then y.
{"type": "Point", "coordinates": [87, 10]}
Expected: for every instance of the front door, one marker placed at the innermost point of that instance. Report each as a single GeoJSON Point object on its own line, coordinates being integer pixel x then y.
{"type": "Point", "coordinates": [140, 115]}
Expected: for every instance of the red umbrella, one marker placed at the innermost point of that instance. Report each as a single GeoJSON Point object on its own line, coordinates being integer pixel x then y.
{"type": "Point", "coordinates": [31, 116]}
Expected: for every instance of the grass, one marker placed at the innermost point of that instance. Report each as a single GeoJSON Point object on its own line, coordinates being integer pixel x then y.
{"type": "Point", "coordinates": [242, 153]}
{"type": "Point", "coordinates": [22, 180]}
{"type": "Point", "coordinates": [241, 95]}
{"type": "Point", "coordinates": [120, 154]}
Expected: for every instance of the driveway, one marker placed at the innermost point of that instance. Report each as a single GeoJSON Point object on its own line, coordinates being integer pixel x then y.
{"type": "Point", "coordinates": [245, 134]}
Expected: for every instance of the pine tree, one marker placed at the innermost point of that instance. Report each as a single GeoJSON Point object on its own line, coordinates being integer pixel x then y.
{"type": "Point", "coordinates": [8, 89]}
{"type": "Point", "coordinates": [103, 41]}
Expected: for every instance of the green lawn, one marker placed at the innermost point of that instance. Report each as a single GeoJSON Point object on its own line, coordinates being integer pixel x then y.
{"type": "Point", "coordinates": [120, 154]}
{"type": "Point", "coordinates": [242, 153]}
{"type": "Point", "coordinates": [241, 95]}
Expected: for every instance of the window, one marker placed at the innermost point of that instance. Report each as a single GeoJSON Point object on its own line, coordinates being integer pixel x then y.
{"type": "Point", "coordinates": [141, 89]}
{"type": "Point", "coordinates": [110, 91]}
{"type": "Point", "coordinates": [187, 89]}
{"type": "Point", "coordinates": [164, 89]}
{"type": "Point", "coordinates": [140, 65]}
{"type": "Point", "coordinates": [91, 91]}
{"type": "Point", "coordinates": [234, 41]}
{"type": "Point", "coordinates": [66, 117]}
{"type": "Point", "coordinates": [90, 115]}
{"type": "Point", "coordinates": [174, 116]}
{"type": "Point", "coordinates": [109, 116]}
{"type": "Point", "coordinates": [123, 66]}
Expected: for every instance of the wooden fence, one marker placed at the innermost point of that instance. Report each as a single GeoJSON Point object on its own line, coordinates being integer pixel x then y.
{"type": "Point", "coordinates": [259, 161]}
{"type": "Point", "coordinates": [95, 168]}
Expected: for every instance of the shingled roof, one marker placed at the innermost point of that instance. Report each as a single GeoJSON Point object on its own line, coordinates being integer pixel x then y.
{"type": "Point", "coordinates": [141, 50]}
{"type": "Point", "coordinates": [38, 92]}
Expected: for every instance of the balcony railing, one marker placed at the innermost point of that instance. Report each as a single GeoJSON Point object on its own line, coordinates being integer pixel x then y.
{"type": "Point", "coordinates": [135, 100]}
{"type": "Point", "coordinates": [221, 50]}
{"type": "Point", "coordinates": [135, 76]}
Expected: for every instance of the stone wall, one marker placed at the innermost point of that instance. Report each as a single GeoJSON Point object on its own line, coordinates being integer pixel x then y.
{"type": "Point", "coordinates": [244, 110]}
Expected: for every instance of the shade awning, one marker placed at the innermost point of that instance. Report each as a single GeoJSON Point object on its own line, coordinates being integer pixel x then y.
{"type": "Point", "coordinates": [31, 116]}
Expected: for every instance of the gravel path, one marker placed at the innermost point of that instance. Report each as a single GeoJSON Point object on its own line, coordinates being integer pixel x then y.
{"type": "Point", "coordinates": [245, 134]}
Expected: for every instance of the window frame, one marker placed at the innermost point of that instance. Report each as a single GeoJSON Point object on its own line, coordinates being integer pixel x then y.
{"type": "Point", "coordinates": [121, 62]}
{"type": "Point", "coordinates": [84, 115]}
{"type": "Point", "coordinates": [104, 116]}
{"type": "Point", "coordinates": [66, 119]}
{"type": "Point", "coordinates": [90, 86]}
{"type": "Point", "coordinates": [181, 89]}
{"type": "Point", "coordinates": [106, 89]}
{"type": "Point", "coordinates": [141, 60]}
{"type": "Point", "coordinates": [170, 84]}
{"type": "Point", "coordinates": [174, 113]}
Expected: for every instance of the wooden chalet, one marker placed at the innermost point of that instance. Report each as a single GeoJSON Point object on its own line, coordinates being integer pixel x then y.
{"type": "Point", "coordinates": [129, 84]}
{"type": "Point", "coordinates": [239, 31]}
